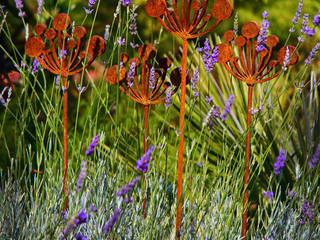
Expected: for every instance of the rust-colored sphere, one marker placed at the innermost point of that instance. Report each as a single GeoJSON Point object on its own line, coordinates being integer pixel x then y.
{"type": "Point", "coordinates": [40, 29]}
{"type": "Point", "coordinates": [222, 9]}
{"type": "Point", "coordinates": [146, 52]}
{"type": "Point", "coordinates": [61, 22]}
{"type": "Point", "coordinates": [34, 47]}
{"type": "Point", "coordinates": [156, 8]}
{"type": "Point", "coordinates": [225, 53]}
{"type": "Point", "coordinates": [272, 41]}
{"type": "Point", "coordinates": [250, 29]}
{"type": "Point", "coordinates": [97, 46]}
{"type": "Point", "coordinates": [79, 32]}
{"type": "Point", "coordinates": [196, 5]}
{"type": "Point", "coordinates": [293, 58]}
{"type": "Point", "coordinates": [228, 36]}
{"type": "Point", "coordinates": [240, 41]}
{"type": "Point", "coordinates": [50, 34]}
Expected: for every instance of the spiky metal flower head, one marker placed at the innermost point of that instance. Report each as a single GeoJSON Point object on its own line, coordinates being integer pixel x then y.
{"type": "Point", "coordinates": [182, 25]}
{"type": "Point", "coordinates": [253, 67]}
{"type": "Point", "coordinates": [73, 60]}
{"type": "Point", "coordinates": [135, 82]}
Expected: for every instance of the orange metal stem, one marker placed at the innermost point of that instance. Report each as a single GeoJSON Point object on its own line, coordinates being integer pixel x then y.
{"type": "Point", "coordinates": [146, 117]}
{"type": "Point", "coordinates": [181, 135]}
{"type": "Point", "coordinates": [65, 143]}
{"type": "Point", "coordinates": [247, 165]}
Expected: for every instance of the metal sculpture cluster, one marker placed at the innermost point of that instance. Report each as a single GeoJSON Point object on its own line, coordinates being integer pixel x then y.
{"type": "Point", "coordinates": [252, 67]}
{"type": "Point", "coordinates": [182, 27]}
{"type": "Point", "coordinates": [64, 60]}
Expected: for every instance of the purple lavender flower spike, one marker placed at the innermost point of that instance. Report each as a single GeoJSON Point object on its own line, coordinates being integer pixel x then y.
{"type": "Point", "coordinates": [128, 200]}
{"type": "Point", "coordinates": [40, 7]}
{"type": "Point", "coordinates": [143, 162]}
{"type": "Point", "coordinates": [93, 208]}
{"type": "Point", "coordinates": [195, 78]}
{"type": "Point", "coordinates": [263, 32]}
{"type": "Point", "coordinates": [307, 212]}
{"type": "Point", "coordinates": [316, 19]}
{"type": "Point", "coordinates": [81, 217]}
{"type": "Point", "coordinates": [209, 99]}
{"type": "Point", "coordinates": [297, 16]}
{"type": "Point", "coordinates": [133, 24]}
{"type": "Point", "coordinates": [132, 70]}
{"type": "Point", "coordinates": [82, 176]}
{"type": "Point", "coordinates": [167, 101]}
{"type": "Point", "coordinates": [112, 221]}
{"type": "Point", "coordinates": [209, 59]}
{"type": "Point", "coordinates": [315, 158]}
{"type": "Point", "coordinates": [19, 6]}
{"type": "Point", "coordinates": [79, 236]}
{"type": "Point", "coordinates": [151, 78]}
{"type": "Point", "coordinates": [312, 54]}
{"type": "Point", "coordinates": [279, 164]}
{"type": "Point", "coordinates": [227, 108]}
{"type": "Point", "coordinates": [128, 188]}
{"type": "Point", "coordinates": [93, 144]}
{"type": "Point", "coordinates": [106, 32]}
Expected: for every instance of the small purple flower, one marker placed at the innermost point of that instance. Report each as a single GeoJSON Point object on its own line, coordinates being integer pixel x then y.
{"type": "Point", "coordinates": [40, 6]}
{"type": "Point", "coordinates": [106, 32]}
{"type": "Point", "coordinates": [210, 56]}
{"type": "Point", "coordinates": [91, 3]}
{"type": "Point", "coordinates": [312, 54]}
{"type": "Point", "coordinates": [315, 158]}
{"type": "Point", "coordinates": [128, 188]}
{"type": "Point", "coordinates": [151, 78]}
{"type": "Point", "coordinates": [128, 200]}
{"type": "Point", "coordinates": [93, 208]}
{"type": "Point", "coordinates": [263, 32]}
{"type": "Point", "coordinates": [143, 162]}
{"type": "Point", "coordinates": [19, 6]}
{"type": "Point", "coordinates": [227, 108]}
{"type": "Point", "coordinates": [88, 11]}
{"type": "Point", "coordinates": [80, 89]}
{"type": "Point", "coordinates": [81, 217]}
{"type": "Point", "coordinates": [316, 19]}
{"type": "Point", "coordinates": [112, 221]}
{"type": "Point", "coordinates": [291, 193]}
{"type": "Point", "coordinates": [286, 59]}
{"type": "Point", "coordinates": [297, 16]}
{"type": "Point", "coordinates": [269, 194]}
{"type": "Point", "coordinates": [82, 176]}
{"type": "Point", "coordinates": [121, 41]}
{"type": "Point", "coordinates": [133, 23]}
{"type": "Point", "coordinates": [196, 95]}
{"type": "Point", "coordinates": [132, 70]}
{"type": "Point", "coordinates": [79, 236]}
{"type": "Point", "coordinates": [167, 101]}
{"type": "Point", "coordinates": [195, 78]}
{"type": "Point", "coordinates": [125, 2]}
{"type": "Point", "coordinates": [279, 164]}
{"type": "Point", "coordinates": [200, 164]}
{"type": "Point", "coordinates": [62, 54]}
{"type": "Point", "coordinates": [93, 144]}
{"type": "Point", "coordinates": [307, 212]}
{"type": "Point", "coordinates": [213, 113]}
{"type": "Point", "coordinates": [305, 29]}
{"type": "Point", "coordinates": [134, 46]}
{"type": "Point", "coordinates": [209, 99]}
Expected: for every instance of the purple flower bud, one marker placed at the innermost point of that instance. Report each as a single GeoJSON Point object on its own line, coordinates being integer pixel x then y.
{"type": "Point", "coordinates": [143, 162]}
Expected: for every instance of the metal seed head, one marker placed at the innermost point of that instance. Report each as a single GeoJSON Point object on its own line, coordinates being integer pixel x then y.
{"type": "Point", "coordinates": [40, 29]}
{"type": "Point", "coordinates": [136, 61]}
{"type": "Point", "coordinates": [228, 36]}
{"type": "Point", "coordinates": [97, 46]}
{"type": "Point", "coordinates": [272, 41]}
{"type": "Point", "coordinates": [146, 52]}
{"type": "Point", "coordinates": [112, 74]}
{"type": "Point", "coordinates": [50, 34]}
{"type": "Point", "coordinates": [61, 22]}
{"type": "Point", "coordinates": [222, 9]}
{"type": "Point", "coordinates": [196, 5]}
{"type": "Point", "coordinates": [79, 32]}
{"type": "Point", "coordinates": [165, 63]}
{"type": "Point", "coordinates": [34, 47]}
{"type": "Point", "coordinates": [155, 8]}
{"type": "Point", "coordinates": [225, 53]}
{"type": "Point", "coordinates": [293, 58]}
{"type": "Point", "coordinates": [175, 77]}
{"type": "Point", "coordinates": [250, 29]}
{"type": "Point", "coordinates": [240, 41]}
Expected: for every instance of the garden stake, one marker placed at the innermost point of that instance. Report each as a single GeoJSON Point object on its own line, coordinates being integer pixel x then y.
{"type": "Point", "coordinates": [140, 91]}
{"type": "Point", "coordinates": [182, 27]}
{"type": "Point", "coordinates": [253, 67]}
{"type": "Point", "coordinates": [64, 61]}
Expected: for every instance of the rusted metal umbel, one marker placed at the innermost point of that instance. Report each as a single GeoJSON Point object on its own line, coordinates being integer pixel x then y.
{"type": "Point", "coordinates": [137, 86]}
{"type": "Point", "coordinates": [64, 58]}
{"type": "Point", "coordinates": [191, 23]}
{"type": "Point", "coordinates": [252, 67]}
{"type": "Point", "coordinates": [135, 83]}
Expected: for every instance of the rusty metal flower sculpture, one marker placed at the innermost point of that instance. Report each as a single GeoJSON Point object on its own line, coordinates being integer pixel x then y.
{"type": "Point", "coordinates": [185, 27]}
{"type": "Point", "coordinates": [142, 82]}
{"type": "Point", "coordinates": [64, 60]}
{"type": "Point", "coordinates": [252, 67]}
